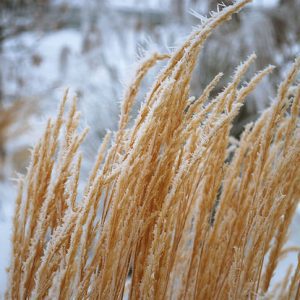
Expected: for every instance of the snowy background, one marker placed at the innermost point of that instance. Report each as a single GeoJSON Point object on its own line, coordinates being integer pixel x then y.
{"type": "Point", "coordinates": [91, 47]}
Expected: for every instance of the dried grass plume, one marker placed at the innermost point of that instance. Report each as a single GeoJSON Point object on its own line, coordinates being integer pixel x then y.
{"type": "Point", "coordinates": [174, 208]}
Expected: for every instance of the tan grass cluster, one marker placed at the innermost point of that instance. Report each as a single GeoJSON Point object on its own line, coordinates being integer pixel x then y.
{"type": "Point", "coordinates": [9, 128]}
{"type": "Point", "coordinates": [175, 208]}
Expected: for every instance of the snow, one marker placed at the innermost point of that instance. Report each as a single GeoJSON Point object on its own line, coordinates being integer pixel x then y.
{"type": "Point", "coordinates": [265, 3]}
{"type": "Point", "coordinates": [291, 258]}
{"type": "Point", "coordinates": [7, 196]}
{"type": "Point", "coordinates": [49, 47]}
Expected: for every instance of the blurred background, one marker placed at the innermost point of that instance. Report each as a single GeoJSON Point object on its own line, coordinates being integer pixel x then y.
{"type": "Point", "coordinates": [93, 46]}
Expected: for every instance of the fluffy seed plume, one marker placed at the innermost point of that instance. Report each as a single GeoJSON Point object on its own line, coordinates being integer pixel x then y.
{"type": "Point", "coordinates": [166, 212]}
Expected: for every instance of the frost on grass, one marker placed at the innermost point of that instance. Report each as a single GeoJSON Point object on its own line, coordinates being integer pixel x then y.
{"type": "Point", "coordinates": [166, 213]}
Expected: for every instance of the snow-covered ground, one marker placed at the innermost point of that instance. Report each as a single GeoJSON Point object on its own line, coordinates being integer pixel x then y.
{"type": "Point", "coordinates": [291, 257]}
{"type": "Point", "coordinates": [7, 197]}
